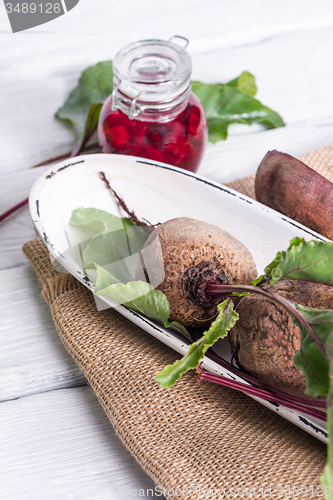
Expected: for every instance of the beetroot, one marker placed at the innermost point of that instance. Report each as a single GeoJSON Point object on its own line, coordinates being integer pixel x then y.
{"type": "Point", "coordinates": [182, 255]}
{"type": "Point", "coordinates": [264, 339]}
{"type": "Point", "coordinates": [296, 190]}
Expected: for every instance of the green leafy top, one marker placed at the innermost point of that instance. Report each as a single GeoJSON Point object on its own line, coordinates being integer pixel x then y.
{"type": "Point", "coordinates": [81, 109]}
{"type": "Point", "coordinates": [225, 320]}
{"type": "Point", "coordinates": [224, 104]}
{"type": "Point", "coordinates": [112, 255]}
{"type": "Point", "coordinates": [233, 103]}
{"type": "Point", "coordinates": [245, 82]}
{"type": "Point", "coordinates": [312, 261]}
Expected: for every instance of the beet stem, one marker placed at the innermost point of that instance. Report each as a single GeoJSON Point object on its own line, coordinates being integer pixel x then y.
{"type": "Point", "coordinates": [44, 163]}
{"type": "Point", "coordinates": [131, 215]}
{"type": "Point", "coordinates": [13, 209]}
{"type": "Point", "coordinates": [289, 396]}
{"type": "Point", "coordinates": [66, 155]}
{"type": "Point", "coordinates": [254, 391]}
{"type": "Point", "coordinates": [216, 290]}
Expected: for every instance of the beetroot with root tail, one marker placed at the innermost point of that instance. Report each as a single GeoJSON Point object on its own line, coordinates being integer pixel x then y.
{"type": "Point", "coordinates": [182, 255]}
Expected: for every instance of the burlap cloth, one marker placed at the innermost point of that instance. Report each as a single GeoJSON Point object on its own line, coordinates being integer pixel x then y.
{"type": "Point", "coordinates": [185, 437]}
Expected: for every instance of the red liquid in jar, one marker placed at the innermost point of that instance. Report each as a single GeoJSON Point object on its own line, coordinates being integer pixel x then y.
{"type": "Point", "coordinates": [180, 142]}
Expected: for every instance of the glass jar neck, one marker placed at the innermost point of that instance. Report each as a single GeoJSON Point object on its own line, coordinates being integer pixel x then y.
{"type": "Point", "coordinates": [148, 105]}
{"type": "Point", "coordinates": [152, 79]}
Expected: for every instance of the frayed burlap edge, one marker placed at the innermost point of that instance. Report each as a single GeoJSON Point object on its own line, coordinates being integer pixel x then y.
{"type": "Point", "coordinates": [206, 437]}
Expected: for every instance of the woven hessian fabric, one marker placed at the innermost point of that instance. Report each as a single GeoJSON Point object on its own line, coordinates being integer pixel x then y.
{"type": "Point", "coordinates": [186, 436]}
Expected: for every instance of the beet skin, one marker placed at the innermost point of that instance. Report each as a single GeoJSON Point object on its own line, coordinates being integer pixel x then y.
{"type": "Point", "coordinates": [264, 339]}
{"type": "Point", "coordinates": [292, 188]}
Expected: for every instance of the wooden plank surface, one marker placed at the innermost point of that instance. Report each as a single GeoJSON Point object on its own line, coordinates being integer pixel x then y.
{"type": "Point", "coordinates": [55, 439]}
{"type": "Point", "coordinates": [58, 446]}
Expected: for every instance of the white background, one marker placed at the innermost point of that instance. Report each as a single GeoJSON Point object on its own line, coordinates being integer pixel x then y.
{"type": "Point", "coordinates": [56, 442]}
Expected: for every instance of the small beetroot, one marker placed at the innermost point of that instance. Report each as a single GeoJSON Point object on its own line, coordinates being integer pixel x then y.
{"type": "Point", "coordinates": [264, 339]}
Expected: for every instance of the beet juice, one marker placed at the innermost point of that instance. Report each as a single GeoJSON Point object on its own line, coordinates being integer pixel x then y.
{"type": "Point", "coordinates": [152, 112]}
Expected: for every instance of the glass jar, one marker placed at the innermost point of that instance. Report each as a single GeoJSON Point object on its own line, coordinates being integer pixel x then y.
{"type": "Point", "coordinates": [152, 112]}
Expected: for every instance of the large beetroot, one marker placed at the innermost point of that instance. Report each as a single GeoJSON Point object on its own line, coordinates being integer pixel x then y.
{"type": "Point", "coordinates": [182, 255]}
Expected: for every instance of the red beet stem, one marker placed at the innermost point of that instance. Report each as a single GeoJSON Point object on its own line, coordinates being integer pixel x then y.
{"type": "Point", "coordinates": [281, 393]}
{"type": "Point", "coordinates": [254, 391]}
{"type": "Point", "coordinates": [66, 155]}
{"type": "Point", "coordinates": [44, 163]}
{"type": "Point", "coordinates": [13, 209]}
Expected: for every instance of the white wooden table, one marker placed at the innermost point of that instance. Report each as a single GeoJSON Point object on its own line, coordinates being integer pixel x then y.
{"type": "Point", "coordinates": [56, 442]}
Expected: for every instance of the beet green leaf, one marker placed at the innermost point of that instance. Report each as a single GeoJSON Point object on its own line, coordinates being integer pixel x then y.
{"type": "Point", "coordinates": [116, 244]}
{"type": "Point", "coordinates": [245, 82]}
{"type": "Point", "coordinates": [225, 320]}
{"type": "Point", "coordinates": [227, 104]}
{"type": "Point", "coordinates": [138, 296]}
{"type": "Point", "coordinates": [312, 261]}
{"type": "Point", "coordinates": [318, 373]}
{"type": "Point", "coordinates": [99, 220]}
{"type": "Point", "coordinates": [111, 258]}
{"type": "Point", "coordinates": [327, 476]}
{"type": "Point", "coordinates": [310, 358]}
{"type": "Point", "coordinates": [81, 109]}
{"type": "Point", "coordinates": [224, 104]}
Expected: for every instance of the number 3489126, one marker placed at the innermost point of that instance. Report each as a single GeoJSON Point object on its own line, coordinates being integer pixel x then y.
{"type": "Point", "coordinates": [33, 8]}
